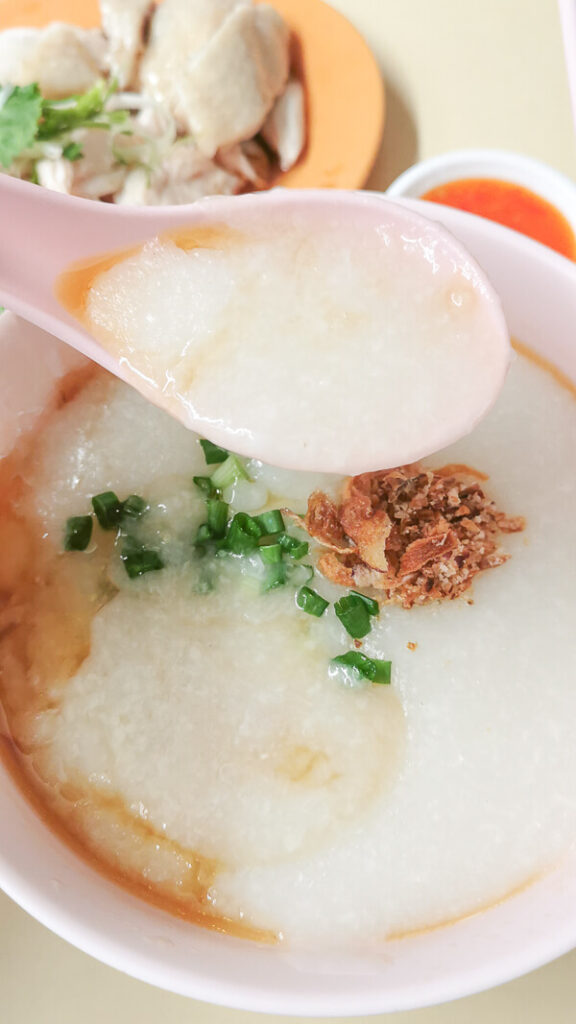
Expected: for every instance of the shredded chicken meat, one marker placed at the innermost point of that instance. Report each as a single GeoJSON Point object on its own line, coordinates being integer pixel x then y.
{"type": "Point", "coordinates": [411, 534]}
{"type": "Point", "coordinates": [199, 92]}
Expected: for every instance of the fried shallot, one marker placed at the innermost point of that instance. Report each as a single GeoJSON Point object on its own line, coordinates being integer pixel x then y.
{"type": "Point", "coordinates": [412, 534]}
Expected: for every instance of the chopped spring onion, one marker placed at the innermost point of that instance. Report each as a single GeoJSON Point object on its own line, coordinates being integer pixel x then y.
{"type": "Point", "coordinates": [84, 110]}
{"type": "Point", "coordinates": [206, 582]}
{"type": "Point", "coordinates": [205, 485]}
{"type": "Point", "coordinates": [108, 509]}
{"type": "Point", "coordinates": [372, 605]}
{"type": "Point", "coordinates": [292, 546]}
{"type": "Point", "coordinates": [72, 152]}
{"type": "Point", "coordinates": [270, 553]}
{"type": "Point", "coordinates": [134, 506]}
{"type": "Point", "coordinates": [203, 536]}
{"type": "Point", "coordinates": [276, 576]}
{"type": "Point", "coordinates": [374, 669]}
{"type": "Point", "coordinates": [311, 602]}
{"type": "Point", "coordinates": [353, 615]}
{"type": "Point", "coordinates": [271, 522]}
{"type": "Point", "coordinates": [78, 533]}
{"type": "Point", "coordinates": [217, 517]}
{"type": "Point", "coordinates": [243, 534]}
{"type": "Point", "coordinates": [139, 559]}
{"type": "Point", "coordinates": [229, 472]}
{"type": "Point", "coordinates": [212, 453]}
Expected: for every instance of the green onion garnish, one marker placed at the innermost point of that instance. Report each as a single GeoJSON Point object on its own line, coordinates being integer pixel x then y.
{"type": "Point", "coordinates": [78, 533]}
{"type": "Point", "coordinates": [243, 534]}
{"type": "Point", "coordinates": [139, 559]}
{"type": "Point", "coordinates": [292, 546]}
{"type": "Point", "coordinates": [212, 453]}
{"type": "Point", "coordinates": [271, 522]}
{"type": "Point", "coordinates": [275, 576]}
{"type": "Point", "coordinates": [229, 472]}
{"type": "Point", "coordinates": [206, 582]}
{"type": "Point", "coordinates": [311, 602]}
{"type": "Point", "coordinates": [353, 615]}
{"type": "Point", "coordinates": [73, 151]}
{"type": "Point", "coordinates": [372, 605]}
{"type": "Point", "coordinates": [270, 553]}
{"type": "Point", "coordinates": [374, 669]}
{"type": "Point", "coordinates": [134, 506]}
{"type": "Point", "coordinates": [204, 484]}
{"type": "Point", "coordinates": [217, 517]}
{"type": "Point", "coordinates": [108, 509]}
{"type": "Point", "coordinates": [203, 536]}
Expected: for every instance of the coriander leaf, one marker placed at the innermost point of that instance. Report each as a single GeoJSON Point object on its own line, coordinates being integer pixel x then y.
{"type": "Point", "coordinates": [20, 109]}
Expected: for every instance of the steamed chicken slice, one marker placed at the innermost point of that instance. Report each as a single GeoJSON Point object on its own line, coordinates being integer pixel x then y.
{"type": "Point", "coordinates": [285, 127]}
{"type": "Point", "coordinates": [16, 45]}
{"type": "Point", "coordinates": [123, 22]}
{"type": "Point", "coordinates": [62, 59]}
{"type": "Point", "coordinates": [232, 84]}
{"type": "Point", "coordinates": [249, 161]}
{"type": "Point", "coordinates": [179, 29]}
{"type": "Point", "coordinates": [218, 67]}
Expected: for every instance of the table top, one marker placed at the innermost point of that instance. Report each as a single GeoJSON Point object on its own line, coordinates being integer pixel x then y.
{"type": "Point", "coordinates": [485, 73]}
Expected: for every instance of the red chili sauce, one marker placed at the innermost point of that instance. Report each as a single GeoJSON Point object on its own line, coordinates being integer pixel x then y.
{"type": "Point", "coordinates": [512, 205]}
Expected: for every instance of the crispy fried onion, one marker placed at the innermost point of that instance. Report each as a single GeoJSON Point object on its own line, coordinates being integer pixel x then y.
{"type": "Point", "coordinates": [413, 534]}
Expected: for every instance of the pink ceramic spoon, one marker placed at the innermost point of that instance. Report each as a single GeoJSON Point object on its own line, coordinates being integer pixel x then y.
{"type": "Point", "coordinates": [45, 232]}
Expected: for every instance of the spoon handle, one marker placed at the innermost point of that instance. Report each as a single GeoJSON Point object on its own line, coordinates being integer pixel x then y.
{"type": "Point", "coordinates": [44, 232]}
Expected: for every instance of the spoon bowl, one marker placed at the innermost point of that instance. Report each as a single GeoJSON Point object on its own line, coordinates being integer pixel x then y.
{"type": "Point", "coordinates": [360, 336]}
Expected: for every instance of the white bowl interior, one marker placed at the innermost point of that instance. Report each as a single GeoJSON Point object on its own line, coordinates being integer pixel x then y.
{"type": "Point", "coordinates": [538, 291]}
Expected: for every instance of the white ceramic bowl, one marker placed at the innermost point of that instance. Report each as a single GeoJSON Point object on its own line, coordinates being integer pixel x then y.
{"type": "Point", "coordinates": [489, 163]}
{"type": "Point", "coordinates": [538, 290]}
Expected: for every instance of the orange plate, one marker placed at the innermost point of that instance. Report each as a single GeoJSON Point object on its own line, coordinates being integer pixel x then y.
{"type": "Point", "coordinates": [345, 90]}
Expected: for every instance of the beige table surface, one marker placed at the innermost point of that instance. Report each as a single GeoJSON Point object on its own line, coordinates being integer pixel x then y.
{"type": "Point", "coordinates": [459, 73]}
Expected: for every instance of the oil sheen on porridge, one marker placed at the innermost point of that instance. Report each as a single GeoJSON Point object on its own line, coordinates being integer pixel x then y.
{"type": "Point", "coordinates": [192, 740]}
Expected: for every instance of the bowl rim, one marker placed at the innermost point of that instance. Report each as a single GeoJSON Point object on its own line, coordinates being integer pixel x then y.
{"type": "Point", "coordinates": [508, 165]}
